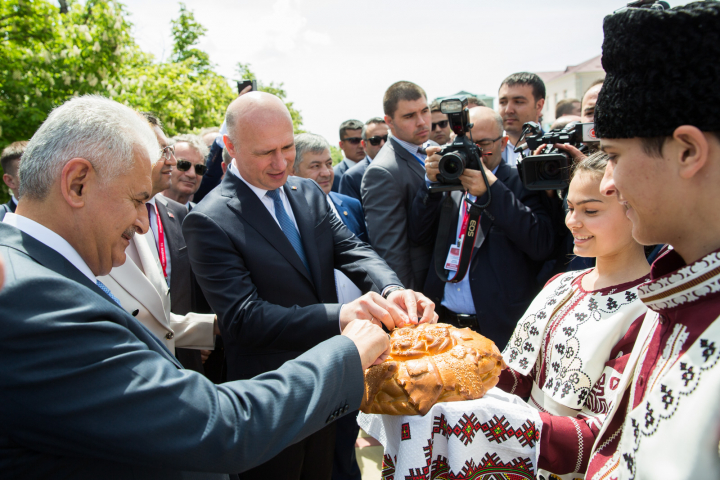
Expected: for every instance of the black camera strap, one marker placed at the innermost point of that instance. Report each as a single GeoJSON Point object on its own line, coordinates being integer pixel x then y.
{"type": "Point", "coordinates": [447, 227]}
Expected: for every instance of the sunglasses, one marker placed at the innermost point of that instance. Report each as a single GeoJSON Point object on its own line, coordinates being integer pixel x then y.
{"type": "Point", "coordinates": [353, 140]}
{"type": "Point", "coordinates": [184, 166]}
{"type": "Point", "coordinates": [441, 124]}
{"type": "Point", "coordinates": [486, 142]}
{"type": "Point", "coordinates": [375, 141]}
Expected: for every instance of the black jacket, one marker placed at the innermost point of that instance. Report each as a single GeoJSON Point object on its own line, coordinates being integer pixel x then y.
{"type": "Point", "coordinates": [270, 308]}
{"type": "Point", "coordinates": [518, 236]}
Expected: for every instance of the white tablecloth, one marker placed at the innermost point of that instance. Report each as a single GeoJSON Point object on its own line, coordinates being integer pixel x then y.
{"type": "Point", "coordinates": [476, 439]}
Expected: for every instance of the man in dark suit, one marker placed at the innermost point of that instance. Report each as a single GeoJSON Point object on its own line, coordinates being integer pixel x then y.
{"type": "Point", "coordinates": [392, 180]}
{"type": "Point", "coordinates": [374, 136]}
{"type": "Point", "coordinates": [264, 246]}
{"type": "Point", "coordinates": [10, 161]}
{"type": "Point", "coordinates": [353, 151]}
{"type": "Point", "coordinates": [516, 236]}
{"type": "Point", "coordinates": [92, 392]}
{"type": "Point", "coordinates": [313, 161]}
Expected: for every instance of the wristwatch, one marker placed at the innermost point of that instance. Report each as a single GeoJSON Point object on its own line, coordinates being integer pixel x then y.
{"type": "Point", "coordinates": [390, 289]}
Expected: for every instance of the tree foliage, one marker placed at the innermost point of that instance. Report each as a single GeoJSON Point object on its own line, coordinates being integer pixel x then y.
{"type": "Point", "coordinates": [51, 53]}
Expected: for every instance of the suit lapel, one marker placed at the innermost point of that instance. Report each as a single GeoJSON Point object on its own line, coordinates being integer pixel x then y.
{"type": "Point", "coordinates": [306, 227]}
{"type": "Point", "coordinates": [248, 206]}
{"type": "Point", "coordinates": [411, 160]}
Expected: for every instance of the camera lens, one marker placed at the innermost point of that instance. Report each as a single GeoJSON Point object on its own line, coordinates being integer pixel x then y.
{"type": "Point", "coordinates": [452, 165]}
{"type": "Point", "coordinates": [550, 170]}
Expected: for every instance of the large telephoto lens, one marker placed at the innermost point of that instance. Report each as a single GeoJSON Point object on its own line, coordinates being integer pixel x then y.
{"type": "Point", "coordinates": [452, 165]}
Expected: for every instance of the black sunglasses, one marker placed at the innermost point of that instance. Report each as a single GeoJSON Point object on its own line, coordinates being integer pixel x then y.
{"type": "Point", "coordinates": [184, 166]}
{"type": "Point", "coordinates": [352, 140]}
{"type": "Point", "coordinates": [442, 124]}
{"type": "Point", "coordinates": [375, 141]}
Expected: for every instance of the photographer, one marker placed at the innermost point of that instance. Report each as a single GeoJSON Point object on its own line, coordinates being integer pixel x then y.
{"type": "Point", "coordinates": [514, 238]}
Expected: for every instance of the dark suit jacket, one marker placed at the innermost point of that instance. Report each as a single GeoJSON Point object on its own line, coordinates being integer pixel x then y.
{"type": "Point", "coordinates": [183, 287]}
{"type": "Point", "coordinates": [7, 207]}
{"type": "Point", "coordinates": [270, 307]}
{"type": "Point", "coordinates": [389, 186]}
{"type": "Point", "coordinates": [518, 237]}
{"type": "Point", "coordinates": [351, 213]}
{"type": "Point", "coordinates": [212, 177]}
{"type": "Point", "coordinates": [93, 394]}
{"type": "Point", "coordinates": [339, 171]}
{"type": "Point", "coordinates": [351, 180]}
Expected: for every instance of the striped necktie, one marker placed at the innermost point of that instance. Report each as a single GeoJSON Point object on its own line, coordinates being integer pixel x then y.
{"type": "Point", "coordinates": [287, 226]}
{"type": "Point", "coordinates": [107, 290]}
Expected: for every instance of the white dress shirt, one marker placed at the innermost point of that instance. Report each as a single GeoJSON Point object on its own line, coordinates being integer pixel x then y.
{"type": "Point", "coordinates": [509, 155]}
{"type": "Point", "coordinates": [51, 239]}
{"type": "Point", "coordinates": [347, 291]}
{"type": "Point", "coordinates": [153, 233]}
{"type": "Point", "coordinates": [267, 201]}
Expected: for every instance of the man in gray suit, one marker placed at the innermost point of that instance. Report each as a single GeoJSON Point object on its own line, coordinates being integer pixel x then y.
{"type": "Point", "coordinates": [91, 392]}
{"type": "Point", "coordinates": [392, 180]}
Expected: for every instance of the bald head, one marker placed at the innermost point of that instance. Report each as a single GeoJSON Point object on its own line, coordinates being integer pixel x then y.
{"type": "Point", "coordinates": [260, 139]}
{"type": "Point", "coordinates": [487, 133]}
{"type": "Point", "coordinates": [253, 109]}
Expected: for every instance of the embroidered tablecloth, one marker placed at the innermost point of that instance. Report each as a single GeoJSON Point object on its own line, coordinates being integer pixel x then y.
{"type": "Point", "coordinates": [476, 439]}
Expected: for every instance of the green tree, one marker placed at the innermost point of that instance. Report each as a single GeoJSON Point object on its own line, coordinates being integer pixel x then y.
{"type": "Point", "coordinates": [243, 69]}
{"type": "Point", "coordinates": [336, 154]}
{"type": "Point", "coordinates": [186, 34]}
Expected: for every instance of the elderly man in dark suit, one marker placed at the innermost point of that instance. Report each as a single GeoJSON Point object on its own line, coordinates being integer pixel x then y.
{"type": "Point", "coordinates": [263, 247]}
{"type": "Point", "coordinates": [516, 235]}
{"type": "Point", "coordinates": [392, 180]}
{"type": "Point", "coordinates": [91, 392]}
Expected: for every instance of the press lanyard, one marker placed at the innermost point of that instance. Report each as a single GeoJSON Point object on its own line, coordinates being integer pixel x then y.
{"type": "Point", "coordinates": [161, 243]}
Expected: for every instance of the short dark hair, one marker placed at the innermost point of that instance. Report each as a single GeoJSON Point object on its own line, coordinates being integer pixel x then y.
{"type": "Point", "coordinates": [153, 120]}
{"type": "Point", "coordinates": [526, 78]}
{"type": "Point", "coordinates": [474, 101]}
{"type": "Point", "coordinates": [349, 125]}
{"type": "Point", "coordinates": [402, 90]}
{"type": "Point", "coordinates": [374, 120]}
{"type": "Point", "coordinates": [653, 146]}
{"type": "Point", "coordinates": [435, 106]}
{"type": "Point", "coordinates": [11, 153]}
{"type": "Point", "coordinates": [565, 107]}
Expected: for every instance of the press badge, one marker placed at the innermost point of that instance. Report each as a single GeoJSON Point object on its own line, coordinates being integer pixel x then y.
{"type": "Point", "coordinates": [453, 258]}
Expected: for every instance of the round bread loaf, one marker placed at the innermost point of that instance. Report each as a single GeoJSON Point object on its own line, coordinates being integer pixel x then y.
{"type": "Point", "coordinates": [431, 363]}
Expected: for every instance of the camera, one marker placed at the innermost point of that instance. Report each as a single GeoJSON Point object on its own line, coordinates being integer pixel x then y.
{"type": "Point", "coordinates": [550, 170]}
{"type": "Point", "coordinates": [462, 153]}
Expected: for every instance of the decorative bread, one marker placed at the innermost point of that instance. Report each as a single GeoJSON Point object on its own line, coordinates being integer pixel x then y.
{"type": "Point", "coordinates": [431, 363]}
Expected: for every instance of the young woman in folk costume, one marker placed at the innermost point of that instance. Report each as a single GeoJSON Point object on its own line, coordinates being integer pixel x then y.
{"type": "Point", "coordinates": [568, 352]}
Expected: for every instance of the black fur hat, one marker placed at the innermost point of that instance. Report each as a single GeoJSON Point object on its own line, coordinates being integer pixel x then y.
{"type": "Point", "coordinates": [662, 71]}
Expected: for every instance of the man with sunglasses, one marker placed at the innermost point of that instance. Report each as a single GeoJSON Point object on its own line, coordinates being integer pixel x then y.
{"type": "Point", "coordinates": [516, 235]}
{"type": "Point", "coordinates": [190, 152]}
{"type": "Point", "coordinates": [374, 135]}
{"type": "Point", "coordinates": [440, 128]}
{"type": "Point", "coordinates": [156, 285]}
{"type": "Point", "coordinates": [351, 145]}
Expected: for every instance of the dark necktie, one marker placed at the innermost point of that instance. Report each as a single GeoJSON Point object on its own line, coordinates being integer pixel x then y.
{"type": "Point", "coordinates": [288, 227]}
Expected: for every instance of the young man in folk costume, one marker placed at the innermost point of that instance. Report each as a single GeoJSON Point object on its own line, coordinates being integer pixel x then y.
{"type": "Point", "coordinates": [568, 352]}
{"type": "Point", "coordinates": [664, 164]}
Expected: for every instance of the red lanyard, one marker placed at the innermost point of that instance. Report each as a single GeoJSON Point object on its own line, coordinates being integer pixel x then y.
{"type": "Point", "coordinates": [465, 221]}
{"type": "Point", "coordinates": [161, 242]}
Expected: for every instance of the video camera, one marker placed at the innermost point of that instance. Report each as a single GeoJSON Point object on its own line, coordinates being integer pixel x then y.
{"type": "Point", "coordinates": [462, 153]}
{"type": "Point", "coordinates": [550, 170]}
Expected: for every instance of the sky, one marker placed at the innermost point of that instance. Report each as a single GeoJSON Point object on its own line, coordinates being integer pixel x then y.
{"type": "Point", "coordinates": [337, 58]}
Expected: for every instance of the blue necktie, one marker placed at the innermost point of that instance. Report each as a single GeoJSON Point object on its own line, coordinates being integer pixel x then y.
{"type": "Point", "coordinates": [107, 290]}
{"type": "Point", "coordinates": [288, 227]}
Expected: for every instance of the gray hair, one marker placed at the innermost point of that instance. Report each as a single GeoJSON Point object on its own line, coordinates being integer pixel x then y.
{"type": "Point", "coordinates": [374, 120]}
{"type": "Point", "coordinates": [95, 128]}
{"type": "Point", "coordinates": [196, 143]}
{"type": "Point", "coordinates": [308, 142]}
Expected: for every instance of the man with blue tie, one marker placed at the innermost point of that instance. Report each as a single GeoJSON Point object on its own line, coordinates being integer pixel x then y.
{"type": "Point", "coordinates": [264, 246]}
{"type": "Point", "coordinates": [91, 392]}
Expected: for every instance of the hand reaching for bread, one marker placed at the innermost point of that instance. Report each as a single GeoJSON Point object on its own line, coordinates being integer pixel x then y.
{"type": "Point", "coordinates": [402, 307]}
{"type": "Point", "coordinates": [372, 342]}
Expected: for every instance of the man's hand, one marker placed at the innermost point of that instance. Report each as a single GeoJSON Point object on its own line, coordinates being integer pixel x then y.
{"type": "Point", "coordinates": [375, 308]}
{"type": "Point", "coordinates": [204, 354]}
{"type": "Point", "coordinates": [372, 342]}
{"type": "Point", "coordinates": [473, 182]}
{"type": "Point", "coordinates": [419, 308]}
{"type": "Point", "coordinates": [431, 163]}
{"type": "Point", "coordinates": [574, 153]}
